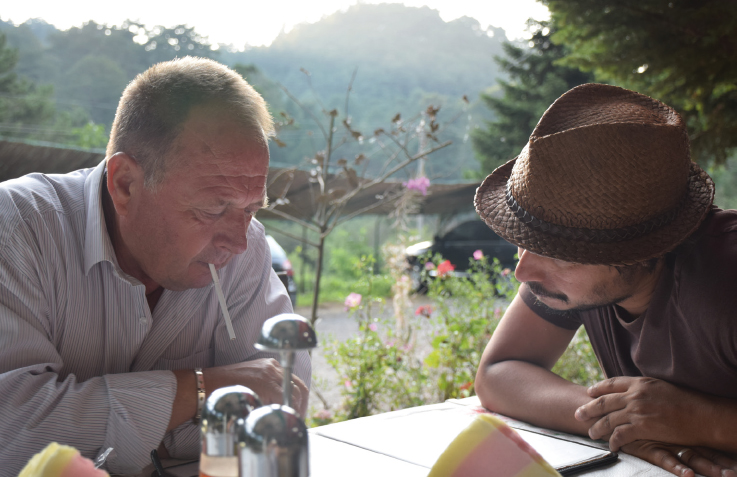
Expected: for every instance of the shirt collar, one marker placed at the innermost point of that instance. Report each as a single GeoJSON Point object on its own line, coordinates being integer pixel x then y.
{"type": "Point", "coordinates": [97, 244]}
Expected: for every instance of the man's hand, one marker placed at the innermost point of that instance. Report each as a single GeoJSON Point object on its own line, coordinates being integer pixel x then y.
{"type": "Point", "coordinates": [262, 376]}
{"type": "Point", "coordinates": [682, 460]}
{"type": "Point", "coordinates": [632, 408]}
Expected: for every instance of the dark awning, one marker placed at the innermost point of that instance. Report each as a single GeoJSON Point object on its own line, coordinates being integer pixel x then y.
{"type": "Point", "coordinates": [20, 158]}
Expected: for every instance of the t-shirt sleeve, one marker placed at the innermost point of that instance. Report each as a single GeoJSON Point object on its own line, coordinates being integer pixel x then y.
{"type": "Point", "coordinates": [567, 320]}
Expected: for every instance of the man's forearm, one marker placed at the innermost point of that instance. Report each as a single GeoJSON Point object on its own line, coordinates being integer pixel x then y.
{"type": "Point", "coordinates": [185, 400]}
{"type": "Point", "coordinates": [723, 429]}
{"type": "Point", "coordinates": [533, 394]}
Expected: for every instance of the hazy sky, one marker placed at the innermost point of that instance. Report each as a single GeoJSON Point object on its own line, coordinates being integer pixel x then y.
{"type": "Point", "coordinates": [253, 22]}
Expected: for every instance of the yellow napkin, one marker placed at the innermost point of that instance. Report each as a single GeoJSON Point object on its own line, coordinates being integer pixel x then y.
{"type": "Point", "coordinates": [60, 461]}
{"type": "Point", "coordinates": [488, 447]}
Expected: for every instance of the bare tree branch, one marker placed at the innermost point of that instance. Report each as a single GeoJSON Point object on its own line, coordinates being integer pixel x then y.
{"type": "Point", "coordinates": [368, 208]}
{"type": "Point", "coordinates": [348, 92]}
{"type": "Point", "coordinates": [301, 222]}
{"type": "Point", "coordinates": [305, 109]}
{"type": "Point", "coordinates": [312, 88]}
{"type": "Point", "coordinates": [292, 236]}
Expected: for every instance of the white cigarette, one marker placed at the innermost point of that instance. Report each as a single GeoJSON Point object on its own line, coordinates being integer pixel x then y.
{"type": "Point", "coordinates": [221, 299]}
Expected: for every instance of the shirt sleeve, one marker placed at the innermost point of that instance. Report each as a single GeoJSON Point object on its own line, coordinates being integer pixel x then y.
{"type": "Point", "coordinates": [562, 319]}
{"type": "Point", "coordinates": [128, 412]}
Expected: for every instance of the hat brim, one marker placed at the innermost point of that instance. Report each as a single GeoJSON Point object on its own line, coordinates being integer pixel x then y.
{"type": "Point", "coordinates": [491, 205]}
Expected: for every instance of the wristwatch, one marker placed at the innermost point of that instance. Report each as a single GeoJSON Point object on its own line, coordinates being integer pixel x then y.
{"type": "Point", "coordinates": [200, 378]}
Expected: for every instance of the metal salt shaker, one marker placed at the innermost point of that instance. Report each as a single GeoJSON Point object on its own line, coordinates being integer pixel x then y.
{"type": "Point", "coordinates": [273, 440]}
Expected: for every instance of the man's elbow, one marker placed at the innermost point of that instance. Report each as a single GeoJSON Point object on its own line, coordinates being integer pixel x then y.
{"type": "Point", "coordinates": [489, 377]}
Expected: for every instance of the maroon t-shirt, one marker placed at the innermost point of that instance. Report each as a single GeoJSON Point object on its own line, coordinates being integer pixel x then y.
{"type": "Point", "coordinates": [688, 334]}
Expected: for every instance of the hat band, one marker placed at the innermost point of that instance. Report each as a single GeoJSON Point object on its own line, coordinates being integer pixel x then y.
{"type": "Point", "coordinates": [592, 235]}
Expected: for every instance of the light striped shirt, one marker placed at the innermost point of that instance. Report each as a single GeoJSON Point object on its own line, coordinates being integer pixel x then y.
{"type": "Point", "coordinates": [82, 360]}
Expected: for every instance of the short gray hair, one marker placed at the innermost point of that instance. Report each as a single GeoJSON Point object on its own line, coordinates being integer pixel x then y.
{"type": "Point", "coordinates": [156, 104]}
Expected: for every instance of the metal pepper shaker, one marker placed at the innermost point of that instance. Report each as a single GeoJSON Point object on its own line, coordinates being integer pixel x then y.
{"type": "Point", "coordinates": [219, 427]}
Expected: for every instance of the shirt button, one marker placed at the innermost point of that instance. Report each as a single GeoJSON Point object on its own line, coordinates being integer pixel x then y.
{"type": "Point", "coordinates": [143, 320]}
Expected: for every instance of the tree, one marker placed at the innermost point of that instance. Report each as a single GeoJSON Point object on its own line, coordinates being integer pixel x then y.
{"type": "Point", "coordinates": [24, 107]}
{"type": "Point", "coordinates": [335, 182]}
{"type": "Point", "coordinates": [683, 52]}
{"type": "Point", "coordinates": [536, 80]}
{"type": "Point", "coordinates": [165, 44]}
{"type": "Point", "coordinates": [94, 82]}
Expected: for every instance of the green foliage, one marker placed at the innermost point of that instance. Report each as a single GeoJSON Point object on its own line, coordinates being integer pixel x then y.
{"type": "Point", "coordinates": [91, 136]}
{"type": "Point", "coordinates": [536, 80]}
{"type": "Point", "coordinates": [377, 368]}
{"type": "Point", "coordinates": [682, 52]}
{"type": "Point", "coordinates": [384, 369]}
{"type": "Point", "coordinates": [579, 364]}
{"type": "Point", "coordinates": [725, 180]}
{"type": "Point", "coordinates": [406, 58]}
{"type": "Point", "coordinates": [89, 66]}
{"type": "Point", "coordinates": [26, 110]}
{"type": "Point", "coordinates": [342, 273]}
{"type": "Point", "coordinates": [95, 81]}
{"type": "Point", "coordinates": [466, 310]}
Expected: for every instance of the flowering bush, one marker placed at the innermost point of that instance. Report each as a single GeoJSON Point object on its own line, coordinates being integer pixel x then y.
{"type": "Point", "coordinates": [445, 267]}
{"type": "Point", "coordinates": [376, 366]}
{"type": "Point", "coordinates": [419, 184]}
{"type": "Point", "coordinates": [466, 311]}
{"type": "Point", "coordinates": [352, 301]}
{"type": "Point", "coordinates": [385, 368]}
{"type": "Point", "coordinates": [424, 310]}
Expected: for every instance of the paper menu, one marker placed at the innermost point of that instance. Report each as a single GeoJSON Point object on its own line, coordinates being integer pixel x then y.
{"type": "Point", "coordinates": [420, 435]}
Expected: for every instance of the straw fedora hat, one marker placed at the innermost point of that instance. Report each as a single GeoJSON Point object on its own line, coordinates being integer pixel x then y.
{"type": "Point", "coordinates": [606, 178]}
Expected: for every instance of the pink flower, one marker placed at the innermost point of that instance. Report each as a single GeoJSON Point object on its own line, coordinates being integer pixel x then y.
{"type": "Point", "coordinates": [506, 272]}
{"type": "Point", "coordinates": [348, 384]}
{"type": "Point", "coordinates": [419, 184]}
{"type": "Point", "coordinates": [429, 266]}
{"type": "Point", "coordinates": [373, 326]}
{"type": "Point", "coordinates": [323, 414]}
{"type": "Point", "coordinates": [445, 267]}
{"type": "Point", "coordinates": [352, 301]}
{"type": "Point", "coordinates": [478, 255]}
{"type": "Point", "coordinates": [424, 310]}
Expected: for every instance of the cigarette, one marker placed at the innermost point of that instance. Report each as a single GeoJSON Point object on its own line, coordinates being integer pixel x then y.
{"type": "Point", "coordinates": [221, 299]}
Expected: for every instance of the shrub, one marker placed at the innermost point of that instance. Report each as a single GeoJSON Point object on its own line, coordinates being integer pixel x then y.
{"type": "Point", "coordinates": [431, 353]}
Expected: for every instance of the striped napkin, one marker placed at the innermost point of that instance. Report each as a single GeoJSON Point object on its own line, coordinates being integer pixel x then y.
{"type": "Point", "coordinates": [488, 447]}
{"type": "Point", "coordinates": [60, 461]}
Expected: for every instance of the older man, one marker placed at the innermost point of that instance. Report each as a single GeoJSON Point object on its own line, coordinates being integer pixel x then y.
{"type": "Point", "coordinates": [616, 231]}
{"type": "Point", "coordinates": [107, 307]}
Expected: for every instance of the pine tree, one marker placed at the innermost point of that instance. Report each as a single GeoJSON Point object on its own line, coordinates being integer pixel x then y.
{"type": "Point", "coordinates": [682, 52]}
{"type": "Point", "coordinates": [535, 81]}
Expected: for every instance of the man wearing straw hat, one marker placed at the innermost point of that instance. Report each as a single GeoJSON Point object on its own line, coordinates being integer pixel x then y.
{"type": "Point", "coordinates": [111, 331]}
{"type": "Point", "coordinates": [617, 232]}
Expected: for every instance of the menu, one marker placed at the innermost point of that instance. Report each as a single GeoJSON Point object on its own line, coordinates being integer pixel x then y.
{"type": "Point", "coordinates": [419, 435]}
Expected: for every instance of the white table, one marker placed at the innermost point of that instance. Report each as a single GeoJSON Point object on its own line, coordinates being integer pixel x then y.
{"type": "Point", "coordinates": [337, 456]}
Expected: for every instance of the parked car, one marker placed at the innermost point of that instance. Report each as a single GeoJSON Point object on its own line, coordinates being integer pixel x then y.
{"type": "Point", "coordinates": [283, 268]}
{"type": "Point", "coordinates": [457, 243]}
